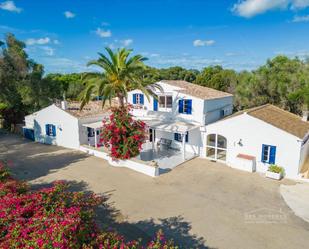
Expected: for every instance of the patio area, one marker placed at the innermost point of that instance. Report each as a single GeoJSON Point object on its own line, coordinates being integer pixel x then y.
{"type": "Point", "coordinates": [167, 159]}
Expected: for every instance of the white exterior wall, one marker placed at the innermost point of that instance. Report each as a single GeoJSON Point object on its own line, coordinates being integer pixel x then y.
{"type": "Point", "coordinates": [253, 134]}
{"type": "Point", "coordinates": [304, 153]}
{"type": "Point", "coordinates": [197, 106]}
{"type": "Point", "coordinates": [213, 108]}
{"type": "Point", "coordinates": [67, 131]}
{"type": "Point", "coordinates": [83, 133]}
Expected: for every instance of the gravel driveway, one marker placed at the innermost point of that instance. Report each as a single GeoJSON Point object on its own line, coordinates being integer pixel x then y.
{"type": "Point", "coordinates": [200, 204]}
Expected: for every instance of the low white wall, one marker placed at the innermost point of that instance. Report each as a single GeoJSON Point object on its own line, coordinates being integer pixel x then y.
{"type": "Point", "coordinates": [131, 164]}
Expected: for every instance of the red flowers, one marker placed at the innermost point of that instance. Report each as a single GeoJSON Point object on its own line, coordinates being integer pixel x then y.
{"type": "Point", "coordinates": [55, 218]}
{"type": "Point", "coordinates": [122, 134]}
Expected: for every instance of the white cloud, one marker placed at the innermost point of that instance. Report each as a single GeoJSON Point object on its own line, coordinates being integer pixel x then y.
{"type": "Point", "coordinates": [56, 42]}
{"type": "Point", "coordinates": [250, 8]}
{"type": "Point", "coordinates": [40, 41]}
{"type": "Point", "coordinates": [201, 43]}
{"type": "Point", "coordinates": [300, 4]}
{"type": "Point", "coordinates": [301, 18]}
{"type": "Point", "coordinates": [105, 24]}
{"type": "Point", "coordinates": [48, 50]}
{"type": "Point", "coordinates": [126, 42]}
{"type": "Point", "coordinates": [103, 33]}
{"type": "Point", "coordinates": [230, 54]}
{"type": "Point", "coordinates": [69, 14]}
{"type": "Point", "coordinates": [10, 6]}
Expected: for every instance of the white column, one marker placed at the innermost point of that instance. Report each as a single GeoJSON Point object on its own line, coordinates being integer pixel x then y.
{"type": "Point", "coordinates": [95, 138]}
{"type": "Point", "coordinates": [184, 146]}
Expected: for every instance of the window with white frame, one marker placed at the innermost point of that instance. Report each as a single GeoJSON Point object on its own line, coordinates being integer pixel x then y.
{"type": "Point", "coordinates": [216, 147]}
{"type": "Point", "coordinates": [165, 101]}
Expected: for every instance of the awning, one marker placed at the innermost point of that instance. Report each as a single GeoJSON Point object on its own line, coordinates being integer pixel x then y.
{"type": "Point", "coordinates": [95, 125]}
{"type": "Point", "coordinates": [170, 125]}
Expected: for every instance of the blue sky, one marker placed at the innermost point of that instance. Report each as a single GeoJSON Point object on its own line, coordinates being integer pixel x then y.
{"type": "Point", "coordinates": [64, 35]}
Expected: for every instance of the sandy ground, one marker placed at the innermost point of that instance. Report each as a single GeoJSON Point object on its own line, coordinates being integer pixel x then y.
{"type": "Point", "coordinates": [200, 204]}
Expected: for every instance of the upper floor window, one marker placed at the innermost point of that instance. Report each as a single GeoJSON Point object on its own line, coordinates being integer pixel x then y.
{"type": "Point", "coordinates": [166, 101]}
{"type": "Point", "coordinates": [185, 106]}
{"type": "Point", "coordinates": [50, 130]}
{"type": "Point", "coordinates": [138, 99]}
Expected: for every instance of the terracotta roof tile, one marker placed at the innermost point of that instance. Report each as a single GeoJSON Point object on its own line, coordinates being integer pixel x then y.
{"type": "Point", "coordinates": [92, 109]}
{"type": "Point", "coordinates": [197, 90]}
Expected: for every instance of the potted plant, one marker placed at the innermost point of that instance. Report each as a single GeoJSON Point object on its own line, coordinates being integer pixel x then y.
{"type": "Point", "coordinates": [274, 172]}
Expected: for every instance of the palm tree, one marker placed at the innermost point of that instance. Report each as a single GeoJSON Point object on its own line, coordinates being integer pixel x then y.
{"type": "Point", "coordinates": [121, 73]}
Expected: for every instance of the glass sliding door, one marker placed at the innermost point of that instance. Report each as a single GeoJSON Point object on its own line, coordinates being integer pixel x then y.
{"type": "Point", "coordinates": [216, 147]}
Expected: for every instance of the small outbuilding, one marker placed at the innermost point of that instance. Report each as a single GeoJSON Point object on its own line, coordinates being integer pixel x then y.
{"type": "Point", "coordinates": [252, 140]}
{"type": "Point", "coordinates": [64, 124]}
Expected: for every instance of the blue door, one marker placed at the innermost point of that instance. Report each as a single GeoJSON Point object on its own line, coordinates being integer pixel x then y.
{"type": "Point", "coordinates": [155, 104]}
{"type": "Point", "coordinates": [28, 133]}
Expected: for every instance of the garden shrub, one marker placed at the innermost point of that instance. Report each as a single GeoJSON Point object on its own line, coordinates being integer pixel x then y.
{"type": "Point", "coordinates": [276, 169]}
{"type": "Point", "coordinates": [55, 218]}
{"type": "Point", "coordinates": [122, 134]}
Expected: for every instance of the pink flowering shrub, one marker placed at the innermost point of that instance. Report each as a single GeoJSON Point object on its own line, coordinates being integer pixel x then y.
{"type": "Point", "coordinates": [55, 218]}
{"type": "Point", "coordinates": [122, 134]}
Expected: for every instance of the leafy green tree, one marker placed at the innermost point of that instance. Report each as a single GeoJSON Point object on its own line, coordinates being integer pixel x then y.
{"type": "Point", "coordinates": [218, 78]}
{"type": "Point", "coordinates": [70, 85]}
{"type": "Point", "coordinates": [120, 75]}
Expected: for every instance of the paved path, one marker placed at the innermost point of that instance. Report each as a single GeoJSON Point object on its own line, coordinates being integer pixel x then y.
{"type": "Point", "coordinates": [297, 197]}
{"type": "Point", "coordinates": [200, 204]}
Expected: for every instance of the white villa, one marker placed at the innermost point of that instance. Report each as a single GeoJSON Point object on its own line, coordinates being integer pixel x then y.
{"type": "Point", "coordinates": [185, 121]}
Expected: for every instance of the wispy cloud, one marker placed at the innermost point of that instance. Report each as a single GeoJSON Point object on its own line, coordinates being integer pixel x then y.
{"type": "Point", "coordinates": [251, 8]}
{"type": "Point", "coordinates": [68, 14]}
{"type": "Point", "coordinates": [126, 42]}
{"type": "Point", "coordinates": [40, 41]}
{"type": "Point", "coordinates": [301, 18]}
{"type": "Point", "coordinates": [103, 33]}
{"type": "Point", "coordinates": [201, 43]}
{"type": "Point", "coordinates": [48, 50]}
{"type": "Point", "coordinates": [10, 6]}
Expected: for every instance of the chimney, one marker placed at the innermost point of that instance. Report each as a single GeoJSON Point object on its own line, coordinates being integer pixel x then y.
{"type": "Point", "coordinates": [64, 104]}
{"type": "Point", "coordinates": [305, 116]}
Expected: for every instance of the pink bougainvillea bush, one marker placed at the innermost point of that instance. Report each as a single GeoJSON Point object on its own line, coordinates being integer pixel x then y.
{"type": "Point", "coordinates": [122, 134]}
{"type": "Point", "coordinates": [55, 218]}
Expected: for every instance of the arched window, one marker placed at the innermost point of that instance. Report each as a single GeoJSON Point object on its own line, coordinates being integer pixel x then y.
{"type": "Point", "coordinates": [216, 147]}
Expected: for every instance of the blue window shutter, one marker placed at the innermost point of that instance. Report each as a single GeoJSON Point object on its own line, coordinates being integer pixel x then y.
{"type": "Point", "coordinates": [142, 99]}
{"type": "Point", "coordinates": [272, 155]}
{"type": "Point", "coordinates": [54, 130]}
{"type": "Point", "coordinates": [187, 137]}
{"type": "Point", "coordinates": [47, 129]}
{"type": "Point", "coordinates": [134, 98]}
{"type": "Point", "coordinates": [263, 150]}
{"type": "Point", "coordinates": [176, 136]}
{"type": "Point", "coordinates": [189, 105]}
{"type": "Point", "coordinates": [180, 106]}
{"type": "Point", "coordinates": [155, 104]}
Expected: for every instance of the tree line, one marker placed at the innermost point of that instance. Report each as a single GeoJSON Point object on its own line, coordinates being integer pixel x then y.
{"type": "Point", "coordinates": [25, 88]}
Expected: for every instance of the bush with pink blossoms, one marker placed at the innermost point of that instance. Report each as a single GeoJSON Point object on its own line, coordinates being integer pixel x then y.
{"type": "Point", "coordinates": [56, 218]}
{"type": "Point", "coordinates": [122, 134]}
